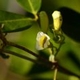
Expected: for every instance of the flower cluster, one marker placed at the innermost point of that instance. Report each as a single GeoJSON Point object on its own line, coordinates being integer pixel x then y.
{"type": "Point", "coordinates": [43, 40]}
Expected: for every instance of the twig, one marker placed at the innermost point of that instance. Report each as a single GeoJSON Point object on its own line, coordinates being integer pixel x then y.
{"type": "Point", "coordinates": [18, 55]}
{"type": "Point", "coordinates": [29, 51]}
{"type": "Point", "coordinates": [23, 57]}
{"type": "Point", "coordinates": [49, 65]}
{"type": "Point", "coordinates": [22, 48]}
{"type": "Point", "coordinates": [44, 61]}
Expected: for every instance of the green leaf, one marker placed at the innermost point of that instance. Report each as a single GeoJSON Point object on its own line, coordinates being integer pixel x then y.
{"type": "Point", "coordinates": [44, 22]}
{"type": "Point", "coordinates": [14, 22]}
{"type": "Point", "coordinates": [31, 6]}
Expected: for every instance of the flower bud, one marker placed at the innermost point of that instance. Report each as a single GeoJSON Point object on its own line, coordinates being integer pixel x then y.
{"type": "Point", "coordinates": [57, 20]}
{"type": "Point", "coordinates": [51, 58]}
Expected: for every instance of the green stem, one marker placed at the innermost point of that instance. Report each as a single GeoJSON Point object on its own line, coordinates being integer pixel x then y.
{"type": "Point", "coordinates": [60, 45]}
{"type": "Point", "coordinates": [55, 74]}
{"type": "Point", "coordinates": [58, 49]}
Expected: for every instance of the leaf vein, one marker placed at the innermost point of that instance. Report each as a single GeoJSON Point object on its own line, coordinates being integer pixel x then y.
{"type": "Point", "coordinates": [32, 7]}
{"type": "Point", "coordinates": [17, 20]}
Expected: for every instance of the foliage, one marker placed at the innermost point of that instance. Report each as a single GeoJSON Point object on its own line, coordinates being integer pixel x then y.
{"type": "Point", "coordinates": [64, 46]}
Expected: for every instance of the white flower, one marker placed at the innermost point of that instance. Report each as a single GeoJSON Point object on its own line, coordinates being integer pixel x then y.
{"type": "Point", "coordinates": [42, 41]}
{"type": "Point", "coordinates": [51, 58]}
{"type": "Point", "coordinates": [57, 20]}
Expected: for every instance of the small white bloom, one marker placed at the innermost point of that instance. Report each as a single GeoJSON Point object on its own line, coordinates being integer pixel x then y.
{"type": "Point", "coordinates": [42, 41]}
{"type": "Point", "coordinates": [51, 58]}
{"type": "Point", "coordinates": [57, 20]}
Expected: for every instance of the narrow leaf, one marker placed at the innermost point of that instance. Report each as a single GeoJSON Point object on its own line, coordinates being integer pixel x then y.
{"type": "Point", "coordinates": [14, 22]}
{"type": "Point", "coordinates": [31, 6]}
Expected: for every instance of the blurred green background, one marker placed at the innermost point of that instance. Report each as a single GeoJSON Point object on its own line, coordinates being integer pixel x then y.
{"type": "Point", "coordinates": [69, 56]}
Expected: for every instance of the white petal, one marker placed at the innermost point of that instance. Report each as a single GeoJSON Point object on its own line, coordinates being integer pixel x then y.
{"type": "Point", "coordinates": [42, 40]}
{"type": "Point", "coordinates": [56, 14]}
{"type": "Point", "coordinates": [39, 34]}
{"type": "Point", "coordinates": [38, 47]}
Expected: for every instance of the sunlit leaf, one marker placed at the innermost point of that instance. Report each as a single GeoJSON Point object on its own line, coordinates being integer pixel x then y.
{"type": "Point", "coordinates": [31, 6]}
{"type": "Point", "coordinates": [14, 22]}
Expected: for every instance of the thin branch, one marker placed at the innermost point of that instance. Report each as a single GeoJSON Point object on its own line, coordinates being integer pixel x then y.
{"type": "Point", "coordinates": [21, 47]}
{"type": "Point", "coordinates": [60, 68]}
{"type": "Point", "coordinates": [60, 45]}
{"type": "Point", "coordinates": [23, 57]}
{"type": "Point", "coordinates": [29, 51]}
{"type": "Point", "coordinates": [18, 55]}
{"type": "Point", "coordinates": [44, 61]}
{"type": "Point", "coordinates": [58, 48]}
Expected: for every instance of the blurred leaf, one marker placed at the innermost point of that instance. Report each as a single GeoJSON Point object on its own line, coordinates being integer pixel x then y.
{"type": "Point", "coordinates": [14, 22]}
{"type": "Point", "coordinates": [65, 57]}
{"type": "Point", "coordinates": [62, 76]}
{"type": "Point", "coordinates": [48, 75]}
{"type": "Point", "coordinates": [31, 6]}
{"type": "Point", "coordinates": [71, 23]}
{"type": "Point", "coordinates": [44, 22]}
